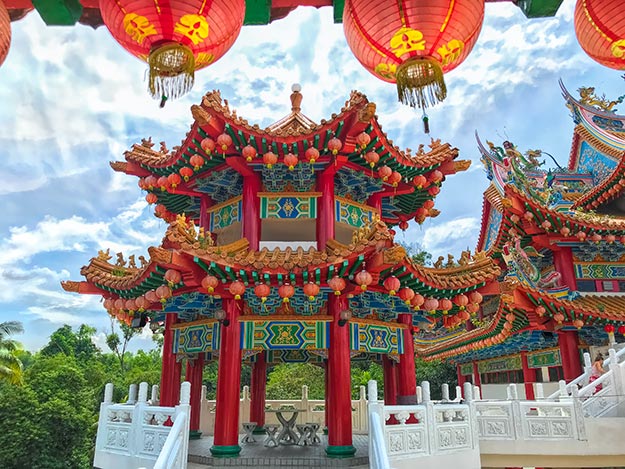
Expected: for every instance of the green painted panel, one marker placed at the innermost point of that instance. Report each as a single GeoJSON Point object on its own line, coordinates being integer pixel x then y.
{"type": "Point", "coordinates": [544, 358]}
{"type": "Point", "coordinates": [466, 369]}
{"type": "Point", "coordinates": [539, 8]}
{"type": "Point", "coordinates": [500, 364]}
{"type": "Point", "coordinates": [59, 12]}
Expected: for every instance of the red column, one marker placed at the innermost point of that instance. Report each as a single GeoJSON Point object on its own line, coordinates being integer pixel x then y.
{"type": "Point", "coordinates": [563, 263]}
{"type": "Point", "coordinates": [529, 377]}
{"type": "Point", "coordinates": [569, 353]}
{"type": "Point", "coordinates": [390, 381]}
{"type": "Point", "coordinates": [226, 438]}
{"type": "Point", "coordinates": [375, 201]}
{"type": "Point", "coordinates": [339, 376]}
{"type": "Point", "coordinates": [407, 389]}
{"type": "Point", "coordinates": [325, 209]}
{"type": "Point", "coordinates": [476, 376]}
{"type": "Point", "coordinates": [170, 370]}
{"type": "Point", "coordinates": [461, 378]}
{"type": "Point", "coordinates": [259, 386]}
{"type": "Point", "coordinates": [328, 393]}
{"type": "Point", "coordinates": [193, 375]}
{"type": "Point", "coordinates": [251, 210]}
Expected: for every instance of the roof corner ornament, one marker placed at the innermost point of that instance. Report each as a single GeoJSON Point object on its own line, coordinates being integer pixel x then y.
{"type": "Point", "coordinates": [589, 98]}
{"type": "Point", "coordinates": [296, 97]}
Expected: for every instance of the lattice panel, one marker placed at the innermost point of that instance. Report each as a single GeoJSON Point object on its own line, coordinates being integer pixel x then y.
{"type": "Point", "coordinates": [382, 305]}
{"type": "Point", "coordinates": [352, 214]}
{"type": "Point", "coordinates": [288, 207]}
{"type": "Point", "coordinates": [599, 271]}
{"type": "Point", "coordinates": [226, 215]}
{"type": "Point", "coordinates": [280, 179]}
{"type": "Point", "coordinates": [284, 335]}
{"type": "Point", "coordinates": [221, 185]}
{"type": "Point", "coordinates": [358, 185]}
{"type": "Point", "coordinates": [299, 303]}
{"type": "Point", "coordinates": [197, 338]}
{"type": "Point", "coordinates": [376, 338]}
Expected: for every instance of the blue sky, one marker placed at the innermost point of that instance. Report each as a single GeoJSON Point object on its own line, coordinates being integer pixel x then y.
{"type": "Point", "coordinates": [71, 100]}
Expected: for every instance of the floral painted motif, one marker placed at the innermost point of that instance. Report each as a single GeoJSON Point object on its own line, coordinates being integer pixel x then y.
{"type": "Point", "coordinates": [195, 27]}
{"type": "Point", "coordinates": [138, 27]}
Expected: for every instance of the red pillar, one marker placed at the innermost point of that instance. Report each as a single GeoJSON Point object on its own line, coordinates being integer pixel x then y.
{"type": "Point", "coordinates": [407, 389]}
{"type": "Point", "coordinates": [339, 376]}
{"type": "Point", "coordinates": [328, 393]}
{"type": "Point", "coordinates": [193, 375]}
{"type": "Point", "coordinates": [390, 380]}
{"type": "Point", "coordinates": [476, 376]}
{"type": "Point", "coordinates": [461, 378]}
{"type": "Point", "coordinates": [259, 387]}
{"type": "Point", "coordinates": [170, 370]}
{"type": "Point", "coordinates": [563, 263]}
{"type": "Point", "coordinates": [226, 440]}
{"type": "Point", "coordinates": [529, 377]}
{"type": "Point", "coordinates": [251, 210]}
{"type": "Point", "coordinates": [325, 209]}
{"type": "Point", "coordinates": [569, 353]}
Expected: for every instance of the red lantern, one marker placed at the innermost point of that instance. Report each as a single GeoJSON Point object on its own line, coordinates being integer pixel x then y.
{"type": "Point", "coordinates": [150, 295]}
{"type": "Point", "coordinates": [395, 178]}
{"type": "Point", "coordinates": [5, 32]}
{"type": "Point", "coordinates": [363, 139]}
{"type": "Point", "coordinates": [208, 145]}
{"type": "Point", "coordinates": [174, 180]}
{"type": "Point", "coordinates": [578, 323]}
{"type": "Point", "coordinates": [434, 190]}
{"type": "Point", "coordinates": [173, 277]}
{"type": "Point", "coordinates": [151, 198]}
{"type": "Point", "coordinates": [392, 284]}
{"type": "Point", "coordinates": [237, 289]}
{"type": "Point", "coordinates": [403, 225]}
{"type": "Point", "coordinates": [224, 141]}
{"type": "Point", "coordinates": [461, 301]}
{"type": "Point", "coordinates": [610, 239]}
{"type": "Point", "coordinates": [564, 231]}
{"type": "Point", "coordinates": [600, 31]}
{"type": "Point", "coordinates": [413, 43]}
{"type": "Point", "coordinates": [130, 305]}
{"type": "Point", "coordinates": [385, 172]}
{"type": "Point", "coordinates": [262, 291]}
{"type": "Point", "coordinates": [163, 293]}
{"type": "Point", "coordinates": [311, 290]}
{"type": "Point", "coordinates": [163, 183]}
{"type": "Point", "coordinates": [475, 297]}
{"type": "Point", "coordinates": [417, 301]}
{"type": "Point", "coordinates": [286, 291]}
{"type": "Point", "coordinates": [186, 173]}
{"type": "Point", "coordinates": [363, 278]}
{"type": "Point", "coordinates": [311, 155]}
{"type": "Point", "coordinates": [558, 317]}
{"type": "Point", "coordinates": [621, 330]}
{"type": "Point", "coordinates": [428, 204]}
{"type": "Point", "coordinates": [335, 145]}
{"type": "Point", "coordinates": [119, 304]}
{"type": "Point", "coordinates": [337, 284]}
{"type": "Point", "coordinates": [430, 305]}
{"type": "Point", "coordinates": [150, 182]}
{"type": "Point", "coordinates": [540, 311]}
{"type": "Point", "coordinates": [197, 161]}
{"type": "Point", "coordinates": [210, 282]}
{"type": "Point", "coordinates": [108, 304]}
{"type": "Point", "coordinates": [609, 328]}
{"type": "Point", "coordinates": [464, 315]}
{"type": "Point", "coordinates": [290, 160]}
{"type": "Point", "coordinates": [419, 181]}
{"type": "Point", "coordinates": [436, 176]}
{"type": "Point", "coordinates": [142, 303]}
{"type": "Point", "coordinates": [595, 238]}
{"type": "Point", "coordinates": [270, 159]}
{"type": "Point", "coordinates": [175, 38]}
{"type": "Point", "coordinates": [406, 294]}
{"type": "Point", "coordinates": [445, 305]}
{"type": "Point", "coordinates": [249, 153]}
{"type": "Point", "coordinates": [372, 158]}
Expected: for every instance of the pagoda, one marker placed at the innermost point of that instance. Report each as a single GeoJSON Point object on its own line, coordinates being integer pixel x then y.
{"type": "Point", "coordinates": [279, 248]}
{"type": "Point", "coordinates": [559, 237]}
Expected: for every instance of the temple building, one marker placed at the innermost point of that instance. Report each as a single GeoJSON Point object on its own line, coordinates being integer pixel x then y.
{"type": "Point", "coordinates": [280, 248]}
{"type": "Point", "coordinates": [559, 237]}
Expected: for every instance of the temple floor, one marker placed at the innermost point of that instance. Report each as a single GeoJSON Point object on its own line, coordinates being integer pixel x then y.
{"type": "Point", "coordinates": [260, 457]}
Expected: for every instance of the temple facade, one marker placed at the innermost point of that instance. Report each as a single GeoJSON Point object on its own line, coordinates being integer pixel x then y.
{"type": "Point", "coordinates": [280, 248]}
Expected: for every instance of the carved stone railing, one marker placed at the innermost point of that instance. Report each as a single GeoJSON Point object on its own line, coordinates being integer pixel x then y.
{"type": "Point", "coordinates": [425, 430]}
{"type": "Point", "coordinates": [132, 435]}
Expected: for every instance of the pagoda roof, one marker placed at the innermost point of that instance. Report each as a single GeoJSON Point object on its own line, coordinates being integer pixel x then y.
{"type": "Point", "coordinates": [294, 133]}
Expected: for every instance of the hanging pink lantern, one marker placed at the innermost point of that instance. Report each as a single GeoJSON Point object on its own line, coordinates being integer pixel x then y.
{"type": "Point", "coordinates": [163, 183]}
{"type": "Point", "coordinates": [436, 176]}
{"type": "Point", "coordinates": [475, 297]}
{"type": "Point", "coordinates": [564, 231]}
{"type": "Point", "coordinates": [445, 305]}
{"type": "Point", "coordinates": [163, 293]}
{"type": "Point", "coordinates": [430, 305]}
{"type": "Point", "coordinates": [151, 296]}
{"type": "Point", "coordinates": [224, 141]}
{"type": "Point", "coordinates": [290, 160]}
{"type": "Point", "coordinates": [540, 311]}
{"type": "Point", "coordinates": [173, 277]}
{"type": "Point", "coordinates": [578, 323]}
{"type": "Point", "coordinates": [392, 284]}
{"type": "Point", "coordinates": [286, 291]}
{"type": "Point", "coordinates": [210, 282]}
{"type": "Point", "coordinates": [363, 279]}
{"type": "Point", "coordinates": [249, 153]}
{"type": "Point", "coordinates": [363, 139]}
{"type": "Point", "coordinates": [130, 305]}
{"type": "Point", "coordinates": [417, 301]}
{"type": "Point", "coordinates": [335, 145]}
{"type": "Point", "coordinates": [208, 145]}
{"type": "Point", "coordinates": [151, 182]}
{"type": "Point", "coordinates": [311, 290]}
{"type": "Point", "coordinates": [558, 317]}
{"type": "Point", "coordinates": [262, 291]}
{"type": "Point", "coordinates": [337, 284]}
{"type": "Point", "coordinates": [119, 304]}
{"type": "Point", "coordinates": [142, 303]}
{"type": "Point", "coordinates": [237, 289]}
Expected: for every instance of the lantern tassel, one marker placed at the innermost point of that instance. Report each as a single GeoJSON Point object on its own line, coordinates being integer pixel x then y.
{"type": "Point", "coordinates": [420, 82]}
{"type": "Point", "coordinates": [172, 68]}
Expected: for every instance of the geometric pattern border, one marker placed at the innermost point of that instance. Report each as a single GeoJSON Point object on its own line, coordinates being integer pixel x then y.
{"type": "Point", "coordinates": [288, 206]}
{"type": "Point", "coordinates": [226, 214]}
{"type": "Point", "coordinates": [351, 214]}
{"type": "Point", "coordinates": [284, 334]}
{"type": "Point", "coordinates": [544, 358]}
{"type": "Point", "coordinates": [376, 338]}
{"type": "Point", "coordinates": [197, 338]}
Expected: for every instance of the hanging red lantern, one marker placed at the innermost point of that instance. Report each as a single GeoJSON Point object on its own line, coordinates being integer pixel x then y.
{"type": "Point", "coordinates": [130, 305]}
{"type": "Point", "coordinates": [413, 43]}
{"type": "Point", "coordinates": [428, 204]}
{"type": "Point", "coordinates": [578, 323]}
{"type": "Point", "coordinates": [163, 293]}
{"type": "Point", "coordinates": [208, 145]}
{"type": "Point", "coordinates": [163, 183]}
{"type": "Point", "coordinates": [372, 158]}
{"type": "Point", "coordinates": [600, 30]}
{"type": "Point", "coordinates": [175, 38]}
{"type": "Point", "coordinates": [335, 145]}
{"type": "Point", "coordinates": [417, 301]}
{"type": "Point", "coordinates": [403, 225]}
{"type": "Point", "coordinates": [461, 301]}
{"type": "Point", "coordinates": [151, 198]}
{"type": "Point", "coordinates": [363, 278]}
{"type": "Point", "coordinates": [384, 172]}
{"type": "Point", "coordinates": [150, 295]}
{"type": "Point", "coordinates": [621, 330]}
{"type": "Point", "coordinates": [406, 294]}
{"type": "Point", "coordinates": [142, 303]}
{"type": "Point", "coordinates": [581, 235]}
{"type": "Point", "coordinates": [445, 305]}
{"type": "Point", "coordinates": [464, 315]}
{"type": "Point", "coordinates": [311, 155]}
{"type": "Point", "coordinates": [262, 291]}
{"type": "Point", "coordinates": [270, 159]}
{"type": "Point", "coordinates": [363, 139]}
{"type": "Point", "coordinates": [564, 231]}
{"type": "Point", "coordinates": [540, 311]}
{"type": "Point", "coordinates": [237, 289]}
{"type": "Point", "coordinates": [558, 317]}
{"type": "Point", "coordinates": [434, 190]}
{"type": "Point", "coordinates": [395, 178]}
{"type": "Point", "coordinates": [337, 284]}
{"type": "Point", "coordinates": [290, 160]}
{"type": "Point", "coordinates": [286, 291]}
{"type": "Point", "coordinates": [311, 290]}
{"type": "Point", "coordinates": [173, 179]}
{"type": "Point", "coordinates": [160, 211]}
{"type": "Point", "coordinates": [609, 328]}
{"type": "Point", "coordinates": [595, 238]}
{"type": "Point", "coordinates": [197, 161]}
{"type": "Point", "coordinates": [610, 239]}
{"type": "Point", "coordinates": [173, 277]}
{"type": "Point", "coordinates": [392, 284]}
{"type": "Point", "coordinates": [430, 305]}
{"type": "Point", "coordinates": [210, 282]}
{"type": "Point", "coordinates": [436, 176]}
{"type": "Point", "coordinates": [5, 32]}
{"type": "Point", "coordinates": [419, 181]}
{"type": "Point", "coordinates": [119, 304]}
{"type": "Point", "coordinates": [108, 304]}
{"type": "Point", "coordinates": [224, 141]}
{"type": "Point", "coordinates": [249, 153]}
{"type": "Point", "coordinates": [186, 173]}
{"type": "Point", "coordinates": [475, 297]}
{"type": "Point", "coordinates": [151, 182]}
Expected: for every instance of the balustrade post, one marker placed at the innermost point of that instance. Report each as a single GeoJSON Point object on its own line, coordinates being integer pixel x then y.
{"type": "Point", "coordinates": [578, 416]}
{"type": "Point", "coordinates": [419, 395]}
{"type": "Point", "coordinates": [477, 393]}
{"type": "Point", "coordinates": [108, 393]}
{"type": "Point", "coordinates": [617, 377]}
{"type": "Point", "coordinates": [132, 394]}
{"type": "Point", "coordinates": [143, 393]}
{"type": "Point", "coordinates": [375, 407]}
{"type": "Point", "coordinates": [154, 395]}
{"type": "Point", "coordinates": [363, 421]}
{"type": "Point", "coordinates": [539, 392]}
{"type": "Point", "coordinates": [468, 392]}
{"type": "Point", "coordinates": [304, 405]}
{"type": "Point", "coordinates": [563, 391]}
{"type": "Point", "coordinates": [101, 436]}
{"type": "Point", "coordinates": [445, 392]}
{"type": "Point", "coordinates": [458, 394]}
{"type": "Point", "coordinates": [425, 389]}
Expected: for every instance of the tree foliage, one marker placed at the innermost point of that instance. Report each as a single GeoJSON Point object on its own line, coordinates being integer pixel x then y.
{"type": "Point", "coordinates": [10, 364]}
{"type": "Point", "coordinates": [285, 381]}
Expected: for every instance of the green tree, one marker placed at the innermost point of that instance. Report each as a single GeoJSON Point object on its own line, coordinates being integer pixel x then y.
{"type": "Point", "coordinates": [10, 364]}
{"type": "Point", "coordinates": [436, 372]}
{"type": "Point", "coordinates": [362, 373]}
{"type": "Point", "coordinates": [75, 344]}
{"type": "Point", "coordinates": [119, 344]}
{"type": "Point", "coordinates": [418, 255]}
{"type": "Point", "coordinates": [285, 381]}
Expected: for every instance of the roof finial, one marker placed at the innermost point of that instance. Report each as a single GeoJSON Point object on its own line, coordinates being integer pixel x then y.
{"type": "Point", "coordinates": [296, 97]}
